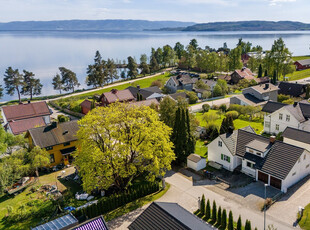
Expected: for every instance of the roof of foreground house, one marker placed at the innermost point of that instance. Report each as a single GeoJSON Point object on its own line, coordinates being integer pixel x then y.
{"type": "Point", "coordinates": [250, 99]}
{"type": "Point", "coordinates": [54, 134]}
{"type": "Point", "coordinates": [278, 162]}
{"type": "Point", "coordinates": [97, 223]}
{"type": "Point", "coordinates": [24, 111]}
{"type": "Point", "coordinates": [304, 62]}
{"type": "Point", "coordinates": [21, 126]}
{"type": "Point", "coordinates": [245, 73]}
{"type": "Point", "coordinates": [60, 223]}
{"type": "Point", "coordinates": [162, 215]}
{"type": "Point", "coordinates": [272, 106]}
{"type": "Point", "coordinates": [134, 91]}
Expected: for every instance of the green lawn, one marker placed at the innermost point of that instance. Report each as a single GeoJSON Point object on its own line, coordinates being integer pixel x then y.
{"type": "Point", "coordinates": [304, 223]}
{"type": "Point", "coordinates": [297, 75]}
{"type": "Point", "coordinates": [257, 124]}
{"type": "Point", "coordinates": [297, 58]}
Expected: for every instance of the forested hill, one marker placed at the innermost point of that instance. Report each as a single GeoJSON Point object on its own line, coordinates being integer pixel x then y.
{"type": "Point", "coordinates": [245, 26]}
{"type": "Point", "coordinates": [107, 25]}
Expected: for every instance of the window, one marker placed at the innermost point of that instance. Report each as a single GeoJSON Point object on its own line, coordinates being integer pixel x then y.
{"type": "Point", "coordinates": [277, 127]}
{"type": "Point", "coordinates": [299, 160]}
{"type": "Point", "coordinates": [52, 158]}
{"type": "Point", "coordinates": [294, 174]}
{"type": "Point", "coordinates": [225, 158]}
{"type": "Point", "coordinates": [257, 153]}
{"type": "Point", "coordinates": [267, 124]}
{"type": "Point", "coordinates": [288, 118]}
{"type": "Point", "coordinates": [250, 165]}
{"type": "Point", "coordinates": [307, 166]}
{"type": "Point", "coordinates": [49, 148]}
{"type": "Point", "coordinates": [67, 143]}
{"type": "Point", "coordinates": [305, 157]}
{"type": "Point", "coordinates": [251, 151]}
{"type": "Point", "coordinates": [280, 116]}
{"type": "Point", "coordinates": [220, 144]}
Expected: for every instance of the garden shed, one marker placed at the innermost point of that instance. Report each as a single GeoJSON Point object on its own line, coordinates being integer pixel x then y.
{"type": "Point", "coordinates": [196, 162]}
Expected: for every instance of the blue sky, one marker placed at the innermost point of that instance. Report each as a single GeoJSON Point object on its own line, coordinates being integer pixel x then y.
{"type": "Point", "coordinates": [182, 10]}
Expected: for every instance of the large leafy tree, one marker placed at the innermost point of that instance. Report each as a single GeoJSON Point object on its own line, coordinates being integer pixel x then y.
{"type": "Point", "coordinates": [69, 79]}
{"type": "Point", "coordinates": [32, 86]}
{"type": "Point", "coordinates": [13, 81]}
{"type": "Point", "coordinates": [234, 61]}
{"type": "Point", "coordinates": [167, 111]}
{"type": "Point", "coordinates": [124, 141]}
{"type": "Point", "coordinates": [97, 73]}
{"type": "Point", "coordinates": [179, 50]}
{"type": "Point", "coordinates": [38, 158]}
{"type": "Point", "coordinates": [111, 70]}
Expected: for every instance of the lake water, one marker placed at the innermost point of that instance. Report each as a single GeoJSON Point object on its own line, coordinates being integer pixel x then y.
{"type": "Point", "coordinates": [43, 52]}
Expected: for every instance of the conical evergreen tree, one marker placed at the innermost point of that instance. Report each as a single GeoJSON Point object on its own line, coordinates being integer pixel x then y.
{"type": "Point", "coordinates": [214, 211]}
{"type": "Point", "coordinates": [274, 77]}
{"type": "Point", "coordinates": [224, 219]}
{"type": "Point", "coordinates": [260, 71]}
{"type": "Point", "coordinates": [219, 215]}
{"type": "Point", "coordinates": [191, 141]}
{"type": "Point", "coordinates": [208, 210]}
{"type": "Point", "coordinates": [230, 221]}
{"type": "Point", "coordinates": [247, 225]}
{"type": "Point", "coordinates": [266, 73]}
{"type": "Point", "coordinates": [239, 223]}
{"type": "Point", "coordinates": [203, 205]}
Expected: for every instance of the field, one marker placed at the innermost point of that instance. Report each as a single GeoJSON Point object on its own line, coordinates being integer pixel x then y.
{"type": "Point", "coordinates": [297, 58]}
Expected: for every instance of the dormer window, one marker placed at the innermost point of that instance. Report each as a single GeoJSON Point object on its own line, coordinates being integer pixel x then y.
{"type": "Point", "coordinates": [280, 116]}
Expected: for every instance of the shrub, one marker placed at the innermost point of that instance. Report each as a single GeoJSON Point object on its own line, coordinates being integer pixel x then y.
{"type": "Point", "coordinates": [282, 97]}
{"type": "Point", "coordinates": [247, 225]}
{"type": "Point", "coordinates": [157, 83]}
{"type": "Point", "coordinates": [214, 211]}
{"type": "Point", "coordinates": [192, 97]}
{"type": "Point", "coordinates": [212, 131]}
{"type": "Point", "coordinates": [239, 223]}
{"type": "Point", "coordinates": [208, 210]}
{"type": "Point", "coordinates": [233, 114]}
{"type": "Point", "coordinates": [210, 117]}
{"type": "Point", "coordinates": [223, 108]}
{"type": "Point", "coordinates": [224, 219]}
{"type": "Point", "coordinates": [63, 118]}
{"type": "Point", "coordinates": [219, 215]}
{"type": "Point", "coordinates": [288, 101]}
{"type": "Point", "coordinates": [205, 108]}
{"type": "Point", "coordinates": [230, 221]}
{"type": "Point", "coordinates": [203, 205]}
{"type": "Point", "coordinates": [206, 94]}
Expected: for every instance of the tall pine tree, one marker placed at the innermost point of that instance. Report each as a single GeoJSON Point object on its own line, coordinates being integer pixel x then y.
{"type": "Point", "coordinates": [239, 223]}
{"type": "Point", "coordinates": [260, 71]}
{"type": "Point", "coordinates": [230, 221]}
{"type": "Point", "coordinates": [214, 211]}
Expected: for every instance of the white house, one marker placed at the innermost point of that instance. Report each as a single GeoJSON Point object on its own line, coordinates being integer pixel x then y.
{"type": "Point", "coordinates": [180, 82]}
{"type": "Point", "coordinates": [278, 164]}
{"type": "Point", "coordinates": [196, 162]}
{"type": "Point", "coordinates": [279, 116]}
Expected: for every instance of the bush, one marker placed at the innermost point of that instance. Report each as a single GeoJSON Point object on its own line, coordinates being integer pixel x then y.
{"type": "Point", "coordinates": [233, 114]}
{"type": "Point", "coordinates": [205, 108]}
{"type": "Point", "coordinates": [212, 131]}
{"type": "Point", "coordinates": [224, 219]}
{"type": "Point", "coordinates": [192, 97]}
{"type": "Point", "coordinates": [223, 108]}
{"type": "Point", "coordinates": [282, 97]}
{"type": "Point", "coordinates": [219, 215]}
{"type": "Point", "coordinates": [157, 83]}
{"type": "Point", "coordinates": [203, 205]}
{"type": "Point", "coordinates": [208, 210]}
{"type": "Point", "coordinates": [206, 94]}
{"type": "Point", "coordinates": [62, 118]}
{"type": "Point", "coordinates": [288, 101]}
{"type": "Point", "coordinates": [214, 212]}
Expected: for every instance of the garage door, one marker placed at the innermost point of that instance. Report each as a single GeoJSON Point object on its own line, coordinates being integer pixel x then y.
{"type": "Point", "coordinates": [263, 177]}
{"type": "Point", "coordinates": [275, 182]}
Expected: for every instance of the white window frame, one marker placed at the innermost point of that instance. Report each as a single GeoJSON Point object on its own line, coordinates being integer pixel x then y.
{"type": "Point", "coordinates": [220, 143]}
{"type": "Point", "coordinates": [277, 127]}
{"type": "Point", "coordinates": [280, 116]}
{"type": "Point", "coordinates": [288, 118]}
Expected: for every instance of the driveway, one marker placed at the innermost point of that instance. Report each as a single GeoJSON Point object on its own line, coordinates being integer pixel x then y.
{"type": "Point", "coordinates": [198, 107]}
{"type": "Point", "coordinates": [183, 192]}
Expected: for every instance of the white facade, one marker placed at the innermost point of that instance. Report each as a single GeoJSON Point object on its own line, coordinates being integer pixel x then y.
{"type": "Point", "coordinates": [197, 165]}
{"type": "Point", "coordinates": [219, 153]}
{"type": "Point", "coordinates": [278, 121]}
{"type": "Point", "coordinates": [171, 85]}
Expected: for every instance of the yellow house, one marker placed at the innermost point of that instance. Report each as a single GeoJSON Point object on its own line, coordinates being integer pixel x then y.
{"type": "Point", "coordinates": [59, 139]}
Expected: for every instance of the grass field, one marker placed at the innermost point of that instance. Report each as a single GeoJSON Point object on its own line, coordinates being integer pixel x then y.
{"type": "Point", "coordinates": [297, 58]}
{"type": "Point", "coordinates": [304, 223]}
{"type": "Point", "coordinates": [297, 75]}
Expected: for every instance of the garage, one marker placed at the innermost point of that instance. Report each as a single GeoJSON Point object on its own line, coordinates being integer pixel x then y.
{"type": "Point", "coordinates": [275, 182]}
{"type": "Point", "coordinates": [263, 177]}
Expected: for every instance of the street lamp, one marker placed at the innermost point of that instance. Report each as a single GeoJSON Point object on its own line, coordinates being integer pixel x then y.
{"type": "Point", "coordinates": [265, 207]}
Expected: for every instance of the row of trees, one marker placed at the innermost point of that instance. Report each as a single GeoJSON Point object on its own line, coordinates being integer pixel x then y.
{"type": "Point", "coordinates": [219, 216]}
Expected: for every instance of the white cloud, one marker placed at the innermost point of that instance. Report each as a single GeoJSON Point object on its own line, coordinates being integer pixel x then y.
{"type": "Point", "coordinates": [278, 2]}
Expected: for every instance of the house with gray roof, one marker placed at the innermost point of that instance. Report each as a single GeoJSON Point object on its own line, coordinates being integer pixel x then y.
{"type": "Point", "coordinates": [280, 116]}
{"type": "Point", "coordinates": [276, 163]}
{"type": "Point", "coordinates": [302, 64]}
{"type": "Point", "coordinates": [180, 82]}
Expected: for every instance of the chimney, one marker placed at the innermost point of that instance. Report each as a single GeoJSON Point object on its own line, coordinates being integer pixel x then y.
{"type": "Point", "coordinates": [267, 85]}
{"type": "Point", "coordinates": [272, 139]}
{"type": "Point", "coordinates": [114, 91]}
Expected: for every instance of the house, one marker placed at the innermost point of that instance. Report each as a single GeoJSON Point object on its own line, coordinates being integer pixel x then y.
{"type": "Point", "coordinates": [17, 119]}
{"type": "Point", "coordinates": [292, 89]}
{"type": "Point", "coordinates": [276, 163]}
{"type": "Point", "coordinates": [247, 56]}
{"type": "Point", "coordinates": [302, 64]}
{"type": "Point", "coordinates": [256, 95]}
{"type": "Point", "coordinates": [196, 162]}
{"type": "Point", "coordinates": [146, 93]}
{"type": "Point", "coordinates": [176, 96]}
{"type": "Point", "coordinates": [240, 74]}
{"type": "Point", "coordinates": [86, 106]}
{"type": "Point", "coordinates": [59, 139]}
{"type": "Point", "coordinates": [297, 137]}
{"type": "Point", "coordinates": [62, 223]}
{"type": "Point", "coordinates": [97, 223]}
{"type": "Point", "coordinates": [279, 116]}
{"type": "Point", "coordinates": [150, 102]}
{"type": "Point", "coordinates": [180, 82]}
{"type": "Point", "coordinates": [164, 215]}
{"type": "Point", "coordinates": [210, 83]}
{"type": "Point", "coordinates": [116, 95]}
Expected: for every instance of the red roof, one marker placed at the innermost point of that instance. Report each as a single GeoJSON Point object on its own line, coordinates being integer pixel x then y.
{"type": "Point", "coordinates": [86, 104]}
{"type": "Point", "coordinates": [245, 73]}
{"type": "Point", "coordinates": [24, 111]}
{"type": "Point", "coordinates": [21, 126]}
{"type": "Point", "coordinates": [118, 95]}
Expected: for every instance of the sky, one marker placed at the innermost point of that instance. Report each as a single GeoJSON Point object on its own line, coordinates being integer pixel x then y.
{"type": "Point", "coordinates": [177, 10]}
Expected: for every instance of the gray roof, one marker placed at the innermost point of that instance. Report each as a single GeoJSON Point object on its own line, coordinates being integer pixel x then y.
{"type": "Point", "coordinates": [295, 110]}
{"type": "Point", "coordinates": [264, 88]}
{"type": "Point", "coordinates": [153, 89]}
{"type": "Point", "coordinates": [134, 91]}
{"type": "Point", "coordinates": [63, 222]}
{"type": "Point", "coordinates": [170, 216]}
{"type": "Point", "coordinates": [195, 158]}
{"type": "Point", "coordinates": [304, 62]}
{"type": "Point", "coordinates": [250, 100]}
{"type": "Point", "coordinates": [183, 79]}
{"type": "Point", "coordinates": [258, 145]}
{"type": "Point", "coordinates": [297, 135]}
{"type": "Point", "coordinates": [175, 96]}
{"type": "Point", "coordinates": [281, 159]}
{"type": "Point", "coordinates": [51, 135]}
{"type": "Point", "coordinates": [230, 139]}
{"type": "Point", "coordinates": [272, 106]}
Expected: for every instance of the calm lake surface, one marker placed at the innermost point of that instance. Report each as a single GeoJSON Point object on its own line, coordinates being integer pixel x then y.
{"type": "Point", "coordinates": [42, 52]}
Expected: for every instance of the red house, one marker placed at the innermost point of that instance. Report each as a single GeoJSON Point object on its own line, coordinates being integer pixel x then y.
{"type": "Point", "coordinates": [86, 106]}
{"type": "Point", "coordinates": [116, 95]}
{"type": "Point", "coordinates": [302, 64]}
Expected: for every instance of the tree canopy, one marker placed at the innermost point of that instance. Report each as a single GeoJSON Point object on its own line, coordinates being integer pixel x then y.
{"type": "Point", "coordinates": [120, 142]}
